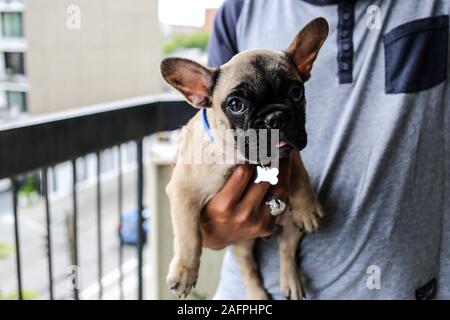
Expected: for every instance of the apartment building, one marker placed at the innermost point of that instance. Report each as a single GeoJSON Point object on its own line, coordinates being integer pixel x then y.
{"type": "Point", "coordinates": [46, 65]}
{"type": "Point", "coordinates": [13, 81]}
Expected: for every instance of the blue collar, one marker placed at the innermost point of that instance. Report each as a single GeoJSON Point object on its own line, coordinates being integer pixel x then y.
{"type": "Point", "coordinates": [206, 126]}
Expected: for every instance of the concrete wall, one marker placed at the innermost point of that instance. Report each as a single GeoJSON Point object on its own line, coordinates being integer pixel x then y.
{"type": "Point", "coordinates": [158, 176]}
{"type": "Point", "coordinates": [114, 55]}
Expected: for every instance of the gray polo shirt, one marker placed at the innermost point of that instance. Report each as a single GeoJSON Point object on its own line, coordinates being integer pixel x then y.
{"type": "Point", "coordinates": [378, 153]}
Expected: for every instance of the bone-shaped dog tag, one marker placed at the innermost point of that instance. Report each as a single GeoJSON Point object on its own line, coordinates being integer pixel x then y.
{"type": "Point", "coordinates": [264, 174]}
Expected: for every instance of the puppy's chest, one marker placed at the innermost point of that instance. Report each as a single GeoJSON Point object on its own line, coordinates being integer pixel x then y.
{"type": "Point", "coordinates": [211, 179]}
{"type": "Point", "coordinates": [204, 168]}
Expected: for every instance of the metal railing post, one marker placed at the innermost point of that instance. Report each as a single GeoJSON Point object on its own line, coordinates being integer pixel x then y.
{"type": "Point", "coordinates": [17, 238]}
{"type": "Point", "coordinates": [76, 295]}
{"type": "Point", "coordinates": [48, 227]}
{"type": "Point", "coordinates": [140, 208]}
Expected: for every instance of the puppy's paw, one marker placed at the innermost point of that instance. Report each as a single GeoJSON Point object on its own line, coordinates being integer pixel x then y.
{"type": "Point", "coordinates": [291, 286]}
{"type": "Point", "coordinates": [307, 217]}
{"type": "Point", "coordinates": [182, 277]}
{"type": "Point", "coordinates": [257, 294]}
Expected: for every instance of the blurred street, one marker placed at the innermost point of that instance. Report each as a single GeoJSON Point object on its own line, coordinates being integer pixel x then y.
{"type": "Point", "coordinates": [89, 78]}
{"type": "Point", "coordinates": [34, 252]}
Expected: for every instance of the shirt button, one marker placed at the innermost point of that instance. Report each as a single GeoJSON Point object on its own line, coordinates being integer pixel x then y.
{"type": "Point", "coordinates": [345, 66]}
{"type": "Point", "coordinates": [344, 34]}
{"type": "Point", "coordinates": [346, 16]}
{"type": "Point", "coordinates": [346, 54]}
{"type": "Point", "coordinates": [346, 46]}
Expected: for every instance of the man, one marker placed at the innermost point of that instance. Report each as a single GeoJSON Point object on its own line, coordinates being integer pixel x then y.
{"type": "Point", "coordinates": [378, 119]}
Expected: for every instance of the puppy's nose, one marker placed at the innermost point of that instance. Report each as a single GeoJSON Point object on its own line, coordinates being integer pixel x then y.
{"type": "Point", "coordinates": [275, 120]}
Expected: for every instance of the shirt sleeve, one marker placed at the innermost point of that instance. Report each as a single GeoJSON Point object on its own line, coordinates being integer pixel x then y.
{"type": "Point", "coordinates": [223, 42]}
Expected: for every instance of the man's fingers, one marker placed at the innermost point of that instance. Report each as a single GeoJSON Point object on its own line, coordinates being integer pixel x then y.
{"type": "Point", "coordinates": [281, 188]}
{"type": "Point", "coordinates": [267, 223]}
{"type": "Point", "coordinates": [255, 194]}
{"type": "Point", "coordinates": [236, 184]}
{"type": "Point", "coordinates": [285, 169]}
{"type": "Point", "coordinates": [269, 220]}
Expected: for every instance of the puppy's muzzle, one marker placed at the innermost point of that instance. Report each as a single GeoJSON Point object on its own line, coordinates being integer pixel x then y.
{"type": "Point", "coordinates": [275, 120]}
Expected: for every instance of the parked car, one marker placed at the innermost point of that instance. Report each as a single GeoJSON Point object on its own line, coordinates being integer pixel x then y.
{"type": "Point", "coordinates": [127, 230]}
{"type": "Point", "coordinates": [5, 185]}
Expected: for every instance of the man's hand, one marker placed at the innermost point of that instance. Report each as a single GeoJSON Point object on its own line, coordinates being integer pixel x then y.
{"type": "Point", "coordinates": [238, 210]}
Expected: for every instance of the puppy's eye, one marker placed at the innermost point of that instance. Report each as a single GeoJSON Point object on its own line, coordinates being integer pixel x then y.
{"type": "Point", "coordinates": [236, 106]}
{"type": "Point", "coordinates": [296, 94]}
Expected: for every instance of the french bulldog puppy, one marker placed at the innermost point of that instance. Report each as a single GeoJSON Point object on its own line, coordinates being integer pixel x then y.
{"type": "Point", "coordinates": [256, 89]}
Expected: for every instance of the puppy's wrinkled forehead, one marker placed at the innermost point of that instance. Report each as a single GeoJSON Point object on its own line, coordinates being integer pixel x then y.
{"type": "Point", "coordinates": [257, 70]}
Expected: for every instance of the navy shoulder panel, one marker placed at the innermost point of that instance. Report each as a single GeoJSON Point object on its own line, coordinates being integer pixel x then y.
{"type": "Point", "coordinates": [223, 42]}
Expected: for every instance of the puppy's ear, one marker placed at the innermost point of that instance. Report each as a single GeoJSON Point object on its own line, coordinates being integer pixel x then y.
{"type": "Point", "coordinates": [304, 48]}
{"type": "Point", "coordinates": [193, 80]}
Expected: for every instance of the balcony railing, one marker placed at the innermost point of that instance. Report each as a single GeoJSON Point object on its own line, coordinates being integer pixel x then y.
{"type": "Point", "coordinates": [43, 142]}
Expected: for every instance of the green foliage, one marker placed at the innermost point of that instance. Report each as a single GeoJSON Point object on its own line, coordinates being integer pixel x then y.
{"type": "Point", "coordinates": [29, 188]}
{"type": "Point", "coordinates": [197, 39]}
{"type": "Point", "coordinates": [26, 295]}
{"type": "Point", "coordinates": [5, 250]}
{"type": "Point", "coordinates": [195, 295]}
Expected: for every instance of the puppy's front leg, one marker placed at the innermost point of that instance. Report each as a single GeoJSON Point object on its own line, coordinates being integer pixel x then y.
{"type": "Point", "coordinates": [307, 211]}
{"type": "Point", "coordinates": [185, 214]}
{"type": "Point", "coordinates": [243, 252]}
{"type": "Point", "coordinates": [288, 241]}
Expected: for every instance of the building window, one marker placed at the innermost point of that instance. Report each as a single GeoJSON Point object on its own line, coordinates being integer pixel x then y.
{"type": "Point", "coordinates": [16, 101]}
{"type": "Point", "coordinates": [14, 63]}
{"type": "Point", "coordinates": [12, 26]}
